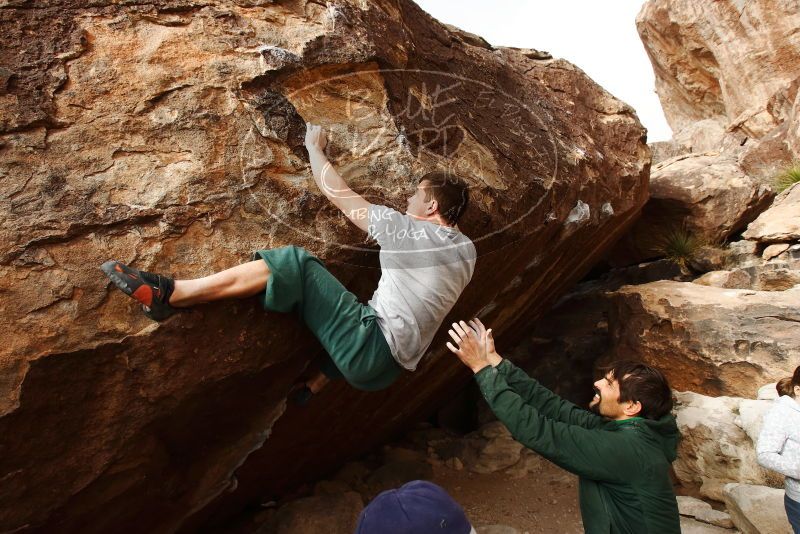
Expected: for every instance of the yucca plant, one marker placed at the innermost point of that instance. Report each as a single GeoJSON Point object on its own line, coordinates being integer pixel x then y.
{"type": "Point", "coordinates": [788, 177]}
{"type": "Point", "coordinates": [679, 245]}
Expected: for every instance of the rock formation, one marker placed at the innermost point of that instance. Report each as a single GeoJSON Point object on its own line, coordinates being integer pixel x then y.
{"type": "Point", "coordinates": [757, 509]}
{"type": "Point", "coordinates": [715, 340]}
{"type": "Point", "coordinates": [169, 135]}
{"type": "Point", "coordinates": [717, 445]}
{"type": "Point", "coordinates": [727, 74]}
{"type": "Point", "coordinates": [737, 63]}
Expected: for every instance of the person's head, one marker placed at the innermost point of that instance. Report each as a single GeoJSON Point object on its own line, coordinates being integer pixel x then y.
{"type": "Point", "coordinates": [417, 507]}
{"type": "Point", "coordinates": [790, 385]}
{"type": "Point", "coordinates": [632, 389]}
{"type": "Point", "coordinates": [439, 193]}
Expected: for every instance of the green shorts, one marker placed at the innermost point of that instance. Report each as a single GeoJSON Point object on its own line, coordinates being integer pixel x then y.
{"type": "Point", "coordinates": [347, 329]}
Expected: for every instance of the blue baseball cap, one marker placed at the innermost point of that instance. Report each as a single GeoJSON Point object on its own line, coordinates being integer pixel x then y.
{"type": "Point", "coordinates": [419, 507]}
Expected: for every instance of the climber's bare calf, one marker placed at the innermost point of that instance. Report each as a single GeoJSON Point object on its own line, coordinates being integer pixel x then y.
{"type": "Point", "coordinates": [245, 280]}
{"type": "Point", "coordinates": [161, 295]}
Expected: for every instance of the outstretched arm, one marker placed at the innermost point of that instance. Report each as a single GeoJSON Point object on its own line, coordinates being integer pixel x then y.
{"type": "Point", "coordinates": [530, 391]}
{"type": "Point", "coordinates": [330, 182]}
{"type": "Point", "coordinates": [587, 452]}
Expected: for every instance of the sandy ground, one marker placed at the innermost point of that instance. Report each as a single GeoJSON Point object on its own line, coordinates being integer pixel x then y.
{"type": "Point", "coordinates": [541, 503]}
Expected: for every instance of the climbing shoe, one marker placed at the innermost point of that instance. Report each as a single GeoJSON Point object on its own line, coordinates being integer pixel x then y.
{"type": "Point", "coordinates": [152, 290]}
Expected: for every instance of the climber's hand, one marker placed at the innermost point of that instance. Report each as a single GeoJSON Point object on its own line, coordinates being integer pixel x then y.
{"type": "Point", "coordinates": [471, 348]}
{"type": "Point", "coordinates": [486, 337]}
{"type": "Point", "coordinates": [316, 138]}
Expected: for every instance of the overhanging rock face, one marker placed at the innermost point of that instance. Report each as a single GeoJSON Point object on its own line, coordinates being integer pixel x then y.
{"type": "Point", "coordinates": [170, 136]}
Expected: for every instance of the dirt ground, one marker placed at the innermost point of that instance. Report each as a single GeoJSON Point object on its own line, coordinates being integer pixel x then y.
{"type": "Point", "coordinates": [541, 503]}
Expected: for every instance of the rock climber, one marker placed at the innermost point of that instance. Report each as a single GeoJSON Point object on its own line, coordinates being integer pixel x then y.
{"type": "Point", "coordinates": [622, 452]}
{"type": "Point", "coordinates": [426, 262]}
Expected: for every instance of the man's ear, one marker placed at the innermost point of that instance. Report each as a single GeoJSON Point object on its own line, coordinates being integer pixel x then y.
{"type": "Point", "coordinates": [433, 207]}
{"type": "Point", "coordinates": [632, 409]}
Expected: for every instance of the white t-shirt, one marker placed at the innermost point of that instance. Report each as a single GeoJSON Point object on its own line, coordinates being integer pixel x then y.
{"type": "Point", "coordinates": [424, 269]}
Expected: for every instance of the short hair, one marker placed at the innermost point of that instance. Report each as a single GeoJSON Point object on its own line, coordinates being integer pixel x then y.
{"type": "Point", "coordinates": [786, 386]}
{"type": "Point", "coordinates": [644, 384]}
{"type": "Point", "coordinates": [449, 191]}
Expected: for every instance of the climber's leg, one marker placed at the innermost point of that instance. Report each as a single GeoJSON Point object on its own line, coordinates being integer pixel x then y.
{"type": "Point", "coordinates": [348, 331]}
{"type": "Point", "coordinates": [242, 281]}
{"type": "Point", "coordinates": [161, 295]}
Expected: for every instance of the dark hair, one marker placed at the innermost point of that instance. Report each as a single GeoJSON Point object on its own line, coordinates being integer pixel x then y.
{"type": "Point", "coordinates": [786, 386]}
{"type": "Point", "coordinates": [641, 383]}
{"type": "Point", "coordinates": [450, 192]}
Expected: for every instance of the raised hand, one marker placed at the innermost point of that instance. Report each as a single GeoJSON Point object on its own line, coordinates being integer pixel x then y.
{"type": "Point", "coordinates": [316, 137]}
{"type": "Point", "coordinates": [471, 349]}
{"type": "Point", "coordinates": [486, 336]}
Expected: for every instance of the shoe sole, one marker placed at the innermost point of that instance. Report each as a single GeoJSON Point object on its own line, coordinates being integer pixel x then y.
{"type": "Point", "coordinates": [114, 276]}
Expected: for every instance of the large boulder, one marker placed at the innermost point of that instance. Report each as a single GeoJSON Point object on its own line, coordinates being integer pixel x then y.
{"type": "Point", "coordinates": [706, 195]}
{"type": "Point", "coordinates": [715, 448]}
{"type": "Point", "coordinates": [169, 135]}
{"type": "Point", "coordinates": [757, 509]}
{"type": "Point", "coordinates": [711, 340]}
{"type": "Point", "coordinates": [733, 61]}
{"type": "Point", "coordinates": [781, 222]}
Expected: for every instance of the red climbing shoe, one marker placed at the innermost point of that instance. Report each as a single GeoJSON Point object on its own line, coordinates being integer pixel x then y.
{"type": "Point", "coordinates": [152, 290]}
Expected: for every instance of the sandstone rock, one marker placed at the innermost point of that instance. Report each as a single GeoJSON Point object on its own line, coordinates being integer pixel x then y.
{"type": "Point", "coordinates": [715, 517]}
{"type": "Point", "coordinates": [562, 348]}
{"type": "Point", "coordinates": [529, 463]}
{"type": "Point", "coordinates": [664, 150]}
{"type": "Point", "coordinates": [703, 512]}
{"type": "Point", "coordinates": [714, 449]}
{"type": "Point", "coordinates": [774, 250]}
{"type": "Point", "coordinates": [743, 252]}
{"type": "Point", "coordinates": [707, 135]}
{"type": "Point", "coordinates": [691, 506]}
{"type": "Point", "coordinates": [495, 429]}
{"type": "Point", "coordinates": [690, 526]}
{"type": "Point", "coordinates": [707, 339]}
{"type": "Point", "coordinates": [777, 279]}
{"type": "Point", "coordinates": [454, 463]}
{"type": "Point", "coordinates": [337, 514]}
{"type": "Point", "coordinates": [707, 195]}
{"type": "Point", "coordinates": [793, 130]}
{"type": "Point", "coordinates": [781, 222]}
{"type": "Point", "coordinates": [757, 509]}
{"type": "Point", "coordinates": [497, 454]}
{"type": "Point", "coordinates": [169, 135]}
{"type": "Point", "coordinates": [765, 158]}
{"type": "Point", "coordinates": [714, 60]}
{"type": "Point", "coordinates": [709, 258]}
{"type": "Point", "coordinates": [767, 277]}
{"type": "Point", "coordinates": [737, 279]}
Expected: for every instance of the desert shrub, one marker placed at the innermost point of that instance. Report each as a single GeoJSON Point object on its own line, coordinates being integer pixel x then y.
{"type": "Point", "coordinates": [788, 177]}
{"type": "Point", "coordinates": [679, 245]}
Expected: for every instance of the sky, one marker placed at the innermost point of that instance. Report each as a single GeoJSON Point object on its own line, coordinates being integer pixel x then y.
{"type": "Point", "coordinates": [599, 36]}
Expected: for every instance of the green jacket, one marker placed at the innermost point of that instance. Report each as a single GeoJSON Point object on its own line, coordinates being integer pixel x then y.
{"type": "Point", "coordinates": [623, 466]}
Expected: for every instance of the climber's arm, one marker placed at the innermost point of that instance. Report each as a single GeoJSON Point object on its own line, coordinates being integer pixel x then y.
{"type": "Point", "coordinates": [330, 182]}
